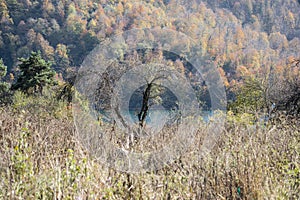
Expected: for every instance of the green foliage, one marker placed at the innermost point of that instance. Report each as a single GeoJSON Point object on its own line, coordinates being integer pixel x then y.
{"type": "Point", "coordinates": [22, 164]}
{"type": "Point", "coordinates": [35, 74]}
{"type": "Point", "coordinates": [3, 69]}
{"type": "Point", "coordinates": [250, 98]}
{"type": "Point", "coordinates": [4, 87]}
{"type": "Point", "coordinates": [42, 106]}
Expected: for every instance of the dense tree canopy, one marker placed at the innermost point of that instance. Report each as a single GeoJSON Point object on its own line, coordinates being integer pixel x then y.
{"type": "Point", "coordinates": [232, 30]}
{"type": "Point", "coordinates": [244, 38]}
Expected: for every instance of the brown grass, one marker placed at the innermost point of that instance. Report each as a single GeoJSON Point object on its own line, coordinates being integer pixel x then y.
{"type": "Point", "coordinates": [42, 159]}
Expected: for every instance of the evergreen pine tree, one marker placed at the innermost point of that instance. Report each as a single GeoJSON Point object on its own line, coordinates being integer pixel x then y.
{"type": "Point", "coordinates": [35, 74]}
{"type": "Point", "coordinates": [4, 87]}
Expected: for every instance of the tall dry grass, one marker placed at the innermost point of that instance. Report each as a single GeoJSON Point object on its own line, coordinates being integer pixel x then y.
{"type": "Point", "coordinates": [42, 159]}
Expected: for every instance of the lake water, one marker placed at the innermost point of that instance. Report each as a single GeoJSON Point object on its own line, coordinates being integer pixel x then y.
{"type": "Point", "coordinates": [155, 117]}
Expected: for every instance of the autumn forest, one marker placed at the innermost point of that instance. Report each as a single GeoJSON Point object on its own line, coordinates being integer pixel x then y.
{"type": "Point", "coordinates": [254, 47]}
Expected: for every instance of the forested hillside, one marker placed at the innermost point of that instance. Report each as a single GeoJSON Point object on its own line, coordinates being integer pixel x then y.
{"type": "Point", "coordinates": [247, 35]}
{"type": "Point", "coordinates": [84, 115]}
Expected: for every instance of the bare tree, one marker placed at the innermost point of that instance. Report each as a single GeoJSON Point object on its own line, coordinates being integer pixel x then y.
{"type": "Point", "coordinates": [152, 92]}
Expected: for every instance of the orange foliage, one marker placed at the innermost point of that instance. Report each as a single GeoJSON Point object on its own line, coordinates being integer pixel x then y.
{"type": "Point", "coordinates": [242, 71]}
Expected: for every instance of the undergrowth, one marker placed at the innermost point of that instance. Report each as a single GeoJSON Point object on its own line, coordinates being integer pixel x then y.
{"type": "Point", "coordinates": [42, 159]}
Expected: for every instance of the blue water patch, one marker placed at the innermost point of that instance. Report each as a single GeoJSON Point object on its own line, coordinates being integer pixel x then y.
{"type": "Point", "coordinates": [207, 115]}
{"type": "Point", "coordinates": [154, 116]}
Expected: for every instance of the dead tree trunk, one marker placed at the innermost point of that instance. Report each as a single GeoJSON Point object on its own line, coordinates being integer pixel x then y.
{"type": "Point", "coordinates": [145, 105]}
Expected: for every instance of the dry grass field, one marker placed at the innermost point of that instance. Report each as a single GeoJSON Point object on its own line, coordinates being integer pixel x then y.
{"type": "Point", "coordinates": [42, 159]}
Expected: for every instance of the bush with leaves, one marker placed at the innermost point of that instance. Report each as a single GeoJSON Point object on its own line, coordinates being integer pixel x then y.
{"type": "Point", "coordinates": [66, 89]}
{"type": "Point", "coordinates": [285, 92]}
{"type": "Point", "coordinates": [251, 98]}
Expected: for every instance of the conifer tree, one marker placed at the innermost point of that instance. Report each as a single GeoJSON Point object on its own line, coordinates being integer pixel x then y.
{"type": "Point", "coordinates": [35, 74]}
{"type": "Point", "coordinates": [3, 85]}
